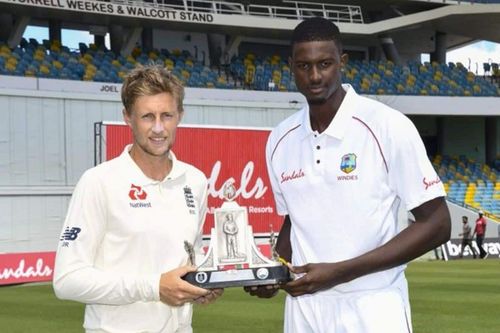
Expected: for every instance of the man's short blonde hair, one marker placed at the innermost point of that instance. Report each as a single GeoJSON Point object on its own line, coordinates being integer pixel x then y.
{"type": "Point", "coordinates": [150, 80]}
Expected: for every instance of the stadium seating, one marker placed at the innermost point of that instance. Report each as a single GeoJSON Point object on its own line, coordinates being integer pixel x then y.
{"type": "Point", "coordinates": [384, 77]}
{"type": "Point", "coordinates": [469, 183]}
{"type": "Point", "coordinates": [50, 59]}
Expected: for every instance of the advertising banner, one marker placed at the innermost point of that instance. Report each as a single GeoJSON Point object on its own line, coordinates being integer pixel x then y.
{"type": "Point", "coordinates": [26, 267]}
{"type": "Point", "coordinates": [453, 248]}
{"type": "Point", "coordinates": [223, 154]}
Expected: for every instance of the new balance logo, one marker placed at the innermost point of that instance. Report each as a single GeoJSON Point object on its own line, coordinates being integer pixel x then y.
{"type": "Point", "coordinates": [137, 193]}
{"type": "Point", "coordinates": [70, 234]}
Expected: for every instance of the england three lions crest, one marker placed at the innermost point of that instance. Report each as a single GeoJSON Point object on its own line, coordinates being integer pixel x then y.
{"type": "Point", "coordinates": [348, 163]}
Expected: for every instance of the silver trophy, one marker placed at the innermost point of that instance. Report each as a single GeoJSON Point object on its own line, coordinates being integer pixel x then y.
{"type": "Point", "coordinates": [232, 258]}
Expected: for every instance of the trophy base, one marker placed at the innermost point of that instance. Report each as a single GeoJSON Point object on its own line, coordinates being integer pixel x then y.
{"type": "Point", "coordinates": [239, 277]}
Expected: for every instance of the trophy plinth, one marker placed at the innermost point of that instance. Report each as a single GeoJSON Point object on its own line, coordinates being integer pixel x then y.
{"type": "Point", "coordinates": [239, 277]}
{"type": "Point", "coordinates": [233, 258]}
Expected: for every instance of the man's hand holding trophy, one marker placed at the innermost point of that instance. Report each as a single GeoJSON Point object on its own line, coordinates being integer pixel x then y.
{"type": "Point", "coordinates": [233, 259]}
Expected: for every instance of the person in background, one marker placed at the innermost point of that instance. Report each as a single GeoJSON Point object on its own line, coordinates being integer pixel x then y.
{"type": "Point", "coordinates": [121, 251]}
{"type": "Point", "coordinates": [466, 237]}
{"type": "Point", "coordinates": [479, 231]}
{"type": "Point", "coordinates": [339, 170]}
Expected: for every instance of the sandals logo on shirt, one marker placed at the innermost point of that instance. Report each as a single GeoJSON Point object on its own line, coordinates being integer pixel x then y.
{"type": "Point", "coordinates": [136, 193]}
{"type": "Point", "coordinates": [188, 195]}
{"type": "Point", "coordinates": [430, 182]}
{"type": "Point", "coordinates": [287, 175]}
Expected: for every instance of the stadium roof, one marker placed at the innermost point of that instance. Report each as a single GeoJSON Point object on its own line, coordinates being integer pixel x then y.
{"type": "Point", "coordinates": [411, 24]}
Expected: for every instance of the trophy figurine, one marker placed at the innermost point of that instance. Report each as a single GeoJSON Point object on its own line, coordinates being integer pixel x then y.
{"type": "Point", "coordinates": [232, 258]}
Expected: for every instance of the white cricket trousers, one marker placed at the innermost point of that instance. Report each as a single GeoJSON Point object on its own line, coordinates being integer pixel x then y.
{"type": "Point", "coordinates": [377, 311]}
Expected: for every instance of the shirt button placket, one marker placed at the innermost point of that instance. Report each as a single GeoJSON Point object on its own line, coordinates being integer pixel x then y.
{"type": "Point", "coordinates": [318, 152]}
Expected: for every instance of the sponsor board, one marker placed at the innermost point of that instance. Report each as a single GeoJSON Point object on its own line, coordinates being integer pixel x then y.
{"type": "Point", "coordinates": [39, 266]}
{"type": "Point", "coordinates": [224, 155]}
{"type": "Point", "coordinates": [452, 248]}
{"type": "Point", "coordinates": [26, 267]}
{"type": "Point", "coordinates": [163, 13]}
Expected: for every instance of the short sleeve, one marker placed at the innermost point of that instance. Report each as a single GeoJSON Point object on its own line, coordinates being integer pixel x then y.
{"type": "Point", "coordinates": [411, 174]}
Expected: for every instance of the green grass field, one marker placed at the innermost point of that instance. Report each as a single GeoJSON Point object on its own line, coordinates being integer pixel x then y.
{"type": "Point", "coordinates": [446, 297]}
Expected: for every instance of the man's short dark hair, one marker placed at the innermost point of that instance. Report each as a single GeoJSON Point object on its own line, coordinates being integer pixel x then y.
{"type": "Point", "coordinates": [317, 29]}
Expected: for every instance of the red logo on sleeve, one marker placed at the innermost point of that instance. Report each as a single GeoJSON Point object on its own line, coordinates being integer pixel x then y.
{"type": "Point", "coordinates": [429, 183]}
{"type": "Point", "coordinates": [137, 193]}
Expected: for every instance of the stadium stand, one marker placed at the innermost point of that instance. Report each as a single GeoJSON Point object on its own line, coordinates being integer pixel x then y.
{"type": "Point", "coordinates": [384, 77]}
{"type": "Point", "coordinates": [469, 183]}
{"type": "Point", "coordinates": [50, 59]}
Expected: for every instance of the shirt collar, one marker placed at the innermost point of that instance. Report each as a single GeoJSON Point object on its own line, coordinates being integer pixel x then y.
{"type": "Point", "coordinates": [139, 178]}
{"type": "Point", "coordinates": [338, 126]}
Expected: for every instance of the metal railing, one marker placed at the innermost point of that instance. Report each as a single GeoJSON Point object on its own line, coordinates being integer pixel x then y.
{"type": "Point", "coordinates": [296, 10]}
{"type": "Point", "coordinates": [463, 2]}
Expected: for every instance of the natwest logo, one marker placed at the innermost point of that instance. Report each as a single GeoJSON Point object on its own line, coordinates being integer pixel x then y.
{"type": "Point", "coordinates": [429, 183]}
{"type": "Point", "coordinates": [137, 193]}
{"type": "Point", "coordinates": [257, 191]}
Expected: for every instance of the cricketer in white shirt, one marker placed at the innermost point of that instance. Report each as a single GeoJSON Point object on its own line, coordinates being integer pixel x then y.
{"type": "Point", "coordinates": [341, 189]}
{"type": "Point", "coordinates": [122, 231]}
{"type": "Point", "coordinates": [339, 170]}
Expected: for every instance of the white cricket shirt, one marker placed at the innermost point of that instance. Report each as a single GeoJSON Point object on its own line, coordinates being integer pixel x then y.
{"type": "Point", "coordinates": [342, 187]}
{"type": "Point", "coordinates": [121, 232]}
